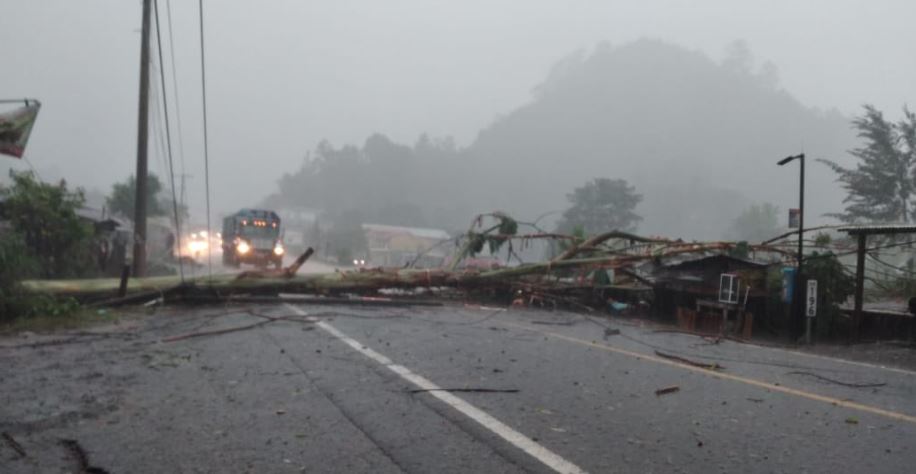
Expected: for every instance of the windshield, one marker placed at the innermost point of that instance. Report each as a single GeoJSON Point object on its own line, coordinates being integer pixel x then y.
{"type": "Point", "coordinates": [258, 232]}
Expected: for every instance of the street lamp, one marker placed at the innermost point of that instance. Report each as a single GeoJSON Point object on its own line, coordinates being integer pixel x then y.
{"type": "Point", "coordinates": [796, 293]}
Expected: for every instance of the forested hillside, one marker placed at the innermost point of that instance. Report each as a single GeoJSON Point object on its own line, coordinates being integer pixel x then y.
{"type": "Point", "coordinates": [697, 138]}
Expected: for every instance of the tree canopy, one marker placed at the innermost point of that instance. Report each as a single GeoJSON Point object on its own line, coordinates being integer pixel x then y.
{"type": "Point", "coordinates": [121, 200]}
{"type": "Point", "coordinates": [386, 182]}
{"type": "Point", "coordinates": [755, 224]}
{"type": "Point", "coordinates": [601, 205]}
{"type": "Point", "coordinates": [882, 185]}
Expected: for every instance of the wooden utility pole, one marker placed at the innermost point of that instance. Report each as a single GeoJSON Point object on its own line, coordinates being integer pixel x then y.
{"type": "Point", "coordinates": [860, 285]}
{"type": "Point", "coordinates": [140, 203]}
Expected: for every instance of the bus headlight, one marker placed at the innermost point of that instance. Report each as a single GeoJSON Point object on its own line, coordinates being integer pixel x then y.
{"type": "Point", "coordinates": [279, 250]}
{"type": "Point", "coordinates": [242, 247]}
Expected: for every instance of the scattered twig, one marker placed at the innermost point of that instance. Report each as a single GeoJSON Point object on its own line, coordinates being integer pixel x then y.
{"type": "Point", "coordinates": [14, 444]}
{"type": "Point", "coordinates": [667, 390]}
{"type": "Point", "coordinates": [717, 338]}
{"type": "Point", "coordinates": [472, 390]}
{"type": "Point", "coordinates": [82, 459]}
{"type": "Point", "coordinates": [845, 384]}
{"type": "Point", "coordinates": [266, 320]}
{"type": "Point", "coordinates": [216, 332]}
{"type": "Point", "coordinates": [702, 365]}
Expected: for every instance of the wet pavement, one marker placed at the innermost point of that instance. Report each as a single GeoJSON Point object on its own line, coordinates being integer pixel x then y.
{"type": "Point", "coordinates": [347, 389]}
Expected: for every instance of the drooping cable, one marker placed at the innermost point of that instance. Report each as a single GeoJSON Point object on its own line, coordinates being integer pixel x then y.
{"type": "Point", "coordinates": [156, 124]}
{"type": "Point", "coordinates": [168, 15]}
{"type": "Point", "coordinates": [168, 139]}
{"type": "Point", "coordinates": [203, 87]}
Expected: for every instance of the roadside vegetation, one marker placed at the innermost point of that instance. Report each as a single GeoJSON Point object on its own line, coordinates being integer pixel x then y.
{"type": "Point", "coordinates": [43, 238]}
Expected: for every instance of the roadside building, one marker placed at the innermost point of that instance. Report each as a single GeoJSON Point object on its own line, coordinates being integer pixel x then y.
{"type": "Point", "coordinates": [709, 293]}
{"type": "Point", "coordinates": [395, 246]}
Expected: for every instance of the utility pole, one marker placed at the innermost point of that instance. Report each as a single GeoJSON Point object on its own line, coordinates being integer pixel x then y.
{"type": "Point", "coordinates": [797, 298]}
{"type": "Point", "coordinates": [142, 148]}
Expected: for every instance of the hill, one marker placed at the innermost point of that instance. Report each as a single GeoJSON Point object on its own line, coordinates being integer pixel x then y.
{"type": "Point", "coordinates": [699, 139]}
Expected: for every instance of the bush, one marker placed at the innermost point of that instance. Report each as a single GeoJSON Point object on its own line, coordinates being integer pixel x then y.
{"type": "Point", "coordinates": [15, 266]}
{"type": "Point", "coordinates": [47, 239]}
{"type": "Point", "coordinates": [834, 286]}
{"type": "Point", "coordinates": [44, 216]}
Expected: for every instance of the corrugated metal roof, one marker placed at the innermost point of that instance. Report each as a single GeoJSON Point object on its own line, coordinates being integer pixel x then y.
{"type": "Point", "coordinates": [879, 229]}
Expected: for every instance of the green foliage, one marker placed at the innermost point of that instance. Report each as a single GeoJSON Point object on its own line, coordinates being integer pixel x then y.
{"type": "Point", "coordinates": [822, 239]}
{"type": "Point", "coordinates": [388, 182]}
{"type": "Point", "coordinates": [578, 232]}
{"type": "Point", "coordinates": [755, 224]}
{"type": "Point", "coordinates": [740, 250]}
{"type": "Point", "coordinates": [45, 216]}
{"type": "Point", "coordinates": [834, 286]}
{"type": "Point", "coordinates": [882, 186]}
{"type": "Point", "coordinates": [493, 237]}
{"type": "Point", "coordinates": [601, 205]}
{"type": "Point", "coordinates": [17, 264]}
{"type": "Point", "coordinates": [123, 195]}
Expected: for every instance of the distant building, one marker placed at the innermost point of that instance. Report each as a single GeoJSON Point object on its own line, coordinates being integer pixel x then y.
{"type": "Point", "coordinates": [394, 246]}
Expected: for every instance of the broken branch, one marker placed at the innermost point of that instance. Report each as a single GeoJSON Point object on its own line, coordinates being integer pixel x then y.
{"type": "Point", "coordinates": [702, 365]}
{"type": "Point", "coordinates": [14, 444]}
{"type": "Point", "coordinates": [667, 390]}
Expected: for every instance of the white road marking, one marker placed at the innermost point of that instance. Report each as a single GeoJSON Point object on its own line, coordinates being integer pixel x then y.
{"type": "Point", "coordinates": [526, 444]}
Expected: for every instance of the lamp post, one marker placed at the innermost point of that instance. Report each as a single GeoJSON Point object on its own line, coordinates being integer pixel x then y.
{"type": "Point", "coordinates": [796, 293]}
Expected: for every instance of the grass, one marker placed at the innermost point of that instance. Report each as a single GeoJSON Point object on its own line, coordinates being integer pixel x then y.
{"type": "Point", "coordinates": [81, 318]}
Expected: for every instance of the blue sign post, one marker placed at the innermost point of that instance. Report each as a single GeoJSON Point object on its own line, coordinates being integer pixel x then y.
{"type": "Point", "coordinates": [788, 284]}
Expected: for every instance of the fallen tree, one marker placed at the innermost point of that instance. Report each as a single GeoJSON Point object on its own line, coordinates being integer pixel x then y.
{"type": "Point", "coordinates": [542, 276]}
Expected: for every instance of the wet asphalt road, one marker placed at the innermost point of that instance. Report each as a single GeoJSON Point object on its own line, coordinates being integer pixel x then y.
{"type": "Point", "coordinates": [331, 392]}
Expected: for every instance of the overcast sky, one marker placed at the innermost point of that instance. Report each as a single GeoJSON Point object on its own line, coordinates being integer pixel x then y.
{"type": "Point", "coordinates": [285, 74]}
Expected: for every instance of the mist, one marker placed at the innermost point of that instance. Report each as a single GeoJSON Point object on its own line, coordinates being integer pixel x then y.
{"type": "Point", "coordinates": [520, 101]}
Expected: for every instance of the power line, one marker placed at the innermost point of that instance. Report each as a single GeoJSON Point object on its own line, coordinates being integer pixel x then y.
{"type": "Point", "coordinates": [156, 124]}
{"type": "Point", "coordinates": [168, 139]}
{"type": "Point", "coordinates": [203, 87]}
{"type": "Point", "coordinates": [168, 13]}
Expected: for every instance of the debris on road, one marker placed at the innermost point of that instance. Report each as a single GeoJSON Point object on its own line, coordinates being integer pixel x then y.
{"type": "Point", "coordinates": [14, 444]}
{"type": "Point", "coordinates": [667, 390]}
{"type": "Point", "coordinates": [82, 459]}
{"type": "Point", "coordinates": [266, 320]}
{"type": "Point", "coordinates": [470, 390]}
{"type": "Point", "coordinates": [838, 382]}
{"type": "Point", "coordinates": [702, 365]}
{"type": "Point", "coordinates": [580, 277]}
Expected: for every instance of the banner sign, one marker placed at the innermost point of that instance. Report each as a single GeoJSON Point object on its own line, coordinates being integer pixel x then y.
{"type": "Point", "coordinates": [15, 128]}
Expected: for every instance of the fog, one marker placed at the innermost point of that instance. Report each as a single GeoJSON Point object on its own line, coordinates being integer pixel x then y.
{"type": "Point", "coordinates": [537, 96]}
